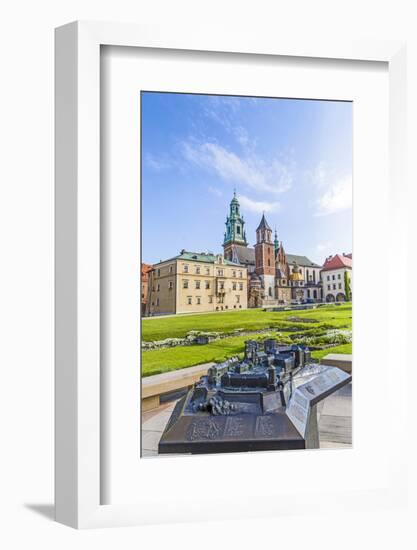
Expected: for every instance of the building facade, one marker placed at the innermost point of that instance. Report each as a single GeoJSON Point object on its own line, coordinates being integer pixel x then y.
{"type": "Point", "coordinates": [144, 286]}
{"type": "Point", "coordinates": [260, 276]}
{"type": "Point", "coordinates": [337, 278]}
{"type": "Point", "coordinates": [274, 277]}
{"type": "Point", "coordinates": [196, 282]}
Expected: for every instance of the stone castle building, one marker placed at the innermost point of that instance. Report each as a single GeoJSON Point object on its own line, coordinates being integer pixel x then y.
{"type": "Point", "coordinates": [336, 276]}
{"type": "Point", "coordinates": [195, 283]}
{"type": "Point", "coordinates": [274, 277]}
{"type": "Point", "coordinates": [144, 285]}
{"type": "Point", "coordinates": [243, 276]}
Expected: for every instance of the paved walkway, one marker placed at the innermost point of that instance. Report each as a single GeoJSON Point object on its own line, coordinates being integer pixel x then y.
{"type": "Point", "coordinates": [334, 419]}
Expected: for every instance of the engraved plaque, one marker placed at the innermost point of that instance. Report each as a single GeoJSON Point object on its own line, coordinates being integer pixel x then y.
{"type": "Point", "coordinates": [235, 426]}
{"type": "Point", "coordinates": [264, 427]}
{"type": "Point", "coordinates": [204, 429]}
{"type": "Point", "coordinates": [315, 388]}
{"type": "Point", "coordinates": [298, 411]}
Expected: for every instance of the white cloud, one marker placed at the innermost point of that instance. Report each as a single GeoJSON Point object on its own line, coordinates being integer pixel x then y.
{"type": "Point", "coordinates": [321, 247]}
{"type": "Point", "coordinates": [334, 193]}
{"type": "Point", "coordinates": [156, 163]}
{"type": "Point", "coordinates": [319, 175]}
{"type": "Point", "coordinates": [258, 206]}
{"type": "Point", "coordinates": [271, 177]}
{"type": "Point", "coordinates": [335, 197]}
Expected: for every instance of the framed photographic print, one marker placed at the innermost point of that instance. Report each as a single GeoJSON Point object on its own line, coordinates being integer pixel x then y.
{"type": "Point", "coordinates": [260, 330]}
{"type": "Point", "coordinates": [221, 207]}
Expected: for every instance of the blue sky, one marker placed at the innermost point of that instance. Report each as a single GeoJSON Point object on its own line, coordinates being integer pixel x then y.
{"type": "Point", "coordinates": [289, 158]}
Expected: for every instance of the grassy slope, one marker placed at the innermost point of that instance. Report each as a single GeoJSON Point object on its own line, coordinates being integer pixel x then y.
{"type": "Point", "coordinates": [344, 348]}
{"type": "Point", "coordinates": [155, 362]}
{"type": "Point", "coordinates": [249, 319]}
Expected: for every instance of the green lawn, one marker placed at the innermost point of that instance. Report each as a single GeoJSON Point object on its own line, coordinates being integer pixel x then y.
{"type": "Point", "coordinates": [319, 354]}
{"type": "Point", "coordinates": [163, 360]}
{"type": "Point", "coordinates": [248, 319]}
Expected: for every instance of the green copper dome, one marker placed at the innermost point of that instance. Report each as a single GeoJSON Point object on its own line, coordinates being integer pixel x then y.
{"type": "Point", "coordinates": [235, 225]}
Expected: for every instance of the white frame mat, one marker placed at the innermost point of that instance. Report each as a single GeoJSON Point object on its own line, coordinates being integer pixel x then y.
{"type": "Point", "coordinates": [77, 242]}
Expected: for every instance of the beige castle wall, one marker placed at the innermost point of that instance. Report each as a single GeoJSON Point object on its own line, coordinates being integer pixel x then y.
{"type": "Point", "coordinates": [162, 298]}
{"type": "Point", "coordinates": [202, 299]}
{"type": "Point", "coordinates": [284, 294]}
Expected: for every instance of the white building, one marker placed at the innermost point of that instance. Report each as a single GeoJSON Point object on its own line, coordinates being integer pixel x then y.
{"type": "Point", "coordinates": [336, 276]}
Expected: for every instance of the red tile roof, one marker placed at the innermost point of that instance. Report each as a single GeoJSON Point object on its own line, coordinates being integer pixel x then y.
{"type": "Point", "coordinates": [145, 269]}
{"type": "Point", "coordinates": [337, 261]}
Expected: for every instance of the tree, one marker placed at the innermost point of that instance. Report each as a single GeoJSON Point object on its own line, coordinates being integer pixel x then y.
{"type": "Point", "coordinates": [348, 292]}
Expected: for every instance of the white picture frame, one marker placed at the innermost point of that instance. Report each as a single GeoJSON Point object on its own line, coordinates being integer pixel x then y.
{"type": "Point", "coordinates": [78, 500]}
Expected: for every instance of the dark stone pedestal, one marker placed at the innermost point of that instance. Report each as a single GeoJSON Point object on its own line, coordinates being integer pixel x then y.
{"type": "Point", "coordinates": [204, 433]}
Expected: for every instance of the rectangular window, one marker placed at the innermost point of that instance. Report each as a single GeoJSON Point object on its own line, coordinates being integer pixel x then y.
{"type": "Point", "coordinates": [197, 270]}
{"type": "Point", "coordinates": [220, 272]}
{"type": "Point", "coordinates": [233, 273]}
{"type": "Point", "coordinates": [207, 284]}
{"type": "Point", "coordinates": [185, 268]}
{"type": "Point", "coordinates": [185, 283]}
{"type": "Point", "coordinates": [240, 286]}
{"type": "Point", "coordinates": [338, 275]}
{"type": "Point", "coordinates": [189, 300]}
{"type": "Point", "coordinates": [240, 274]}
{"type": "Point", "coordinates": [207, 271]}
{"type": "Point", "coordinates": [328, 277]}
{"type": "Point", "coordinates": [198, 300]}
{"type": "Point", "coordinates": [197, 284]}
{"type": "Point", "coordinates": [221, 286]}
{"type": "Point", "coordinates": [332, 277]}
{"type": "Point", "coordinates": [328, 287]}
{"type": "Point", "coordinates": [340, 285]}
{"type": "Point", "coordinates": [234, 286]}
{"type": "Point", "coordinates": [334, 287]}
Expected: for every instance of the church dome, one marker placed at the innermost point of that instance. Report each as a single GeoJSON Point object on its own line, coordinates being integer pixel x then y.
{"type": "Point", "coordinates": [295, 273]}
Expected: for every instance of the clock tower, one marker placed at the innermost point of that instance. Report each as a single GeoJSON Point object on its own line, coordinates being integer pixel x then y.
{"type": "Point", "coordinates": [235, 233]}
{"type": "Point", "coordinates": [265, 258]}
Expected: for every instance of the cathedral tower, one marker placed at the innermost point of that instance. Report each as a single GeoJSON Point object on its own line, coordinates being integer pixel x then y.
{"type": "Point", "coordinates": [265, 258]}
{"type": "Point", "coordinates": [235, 229]}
